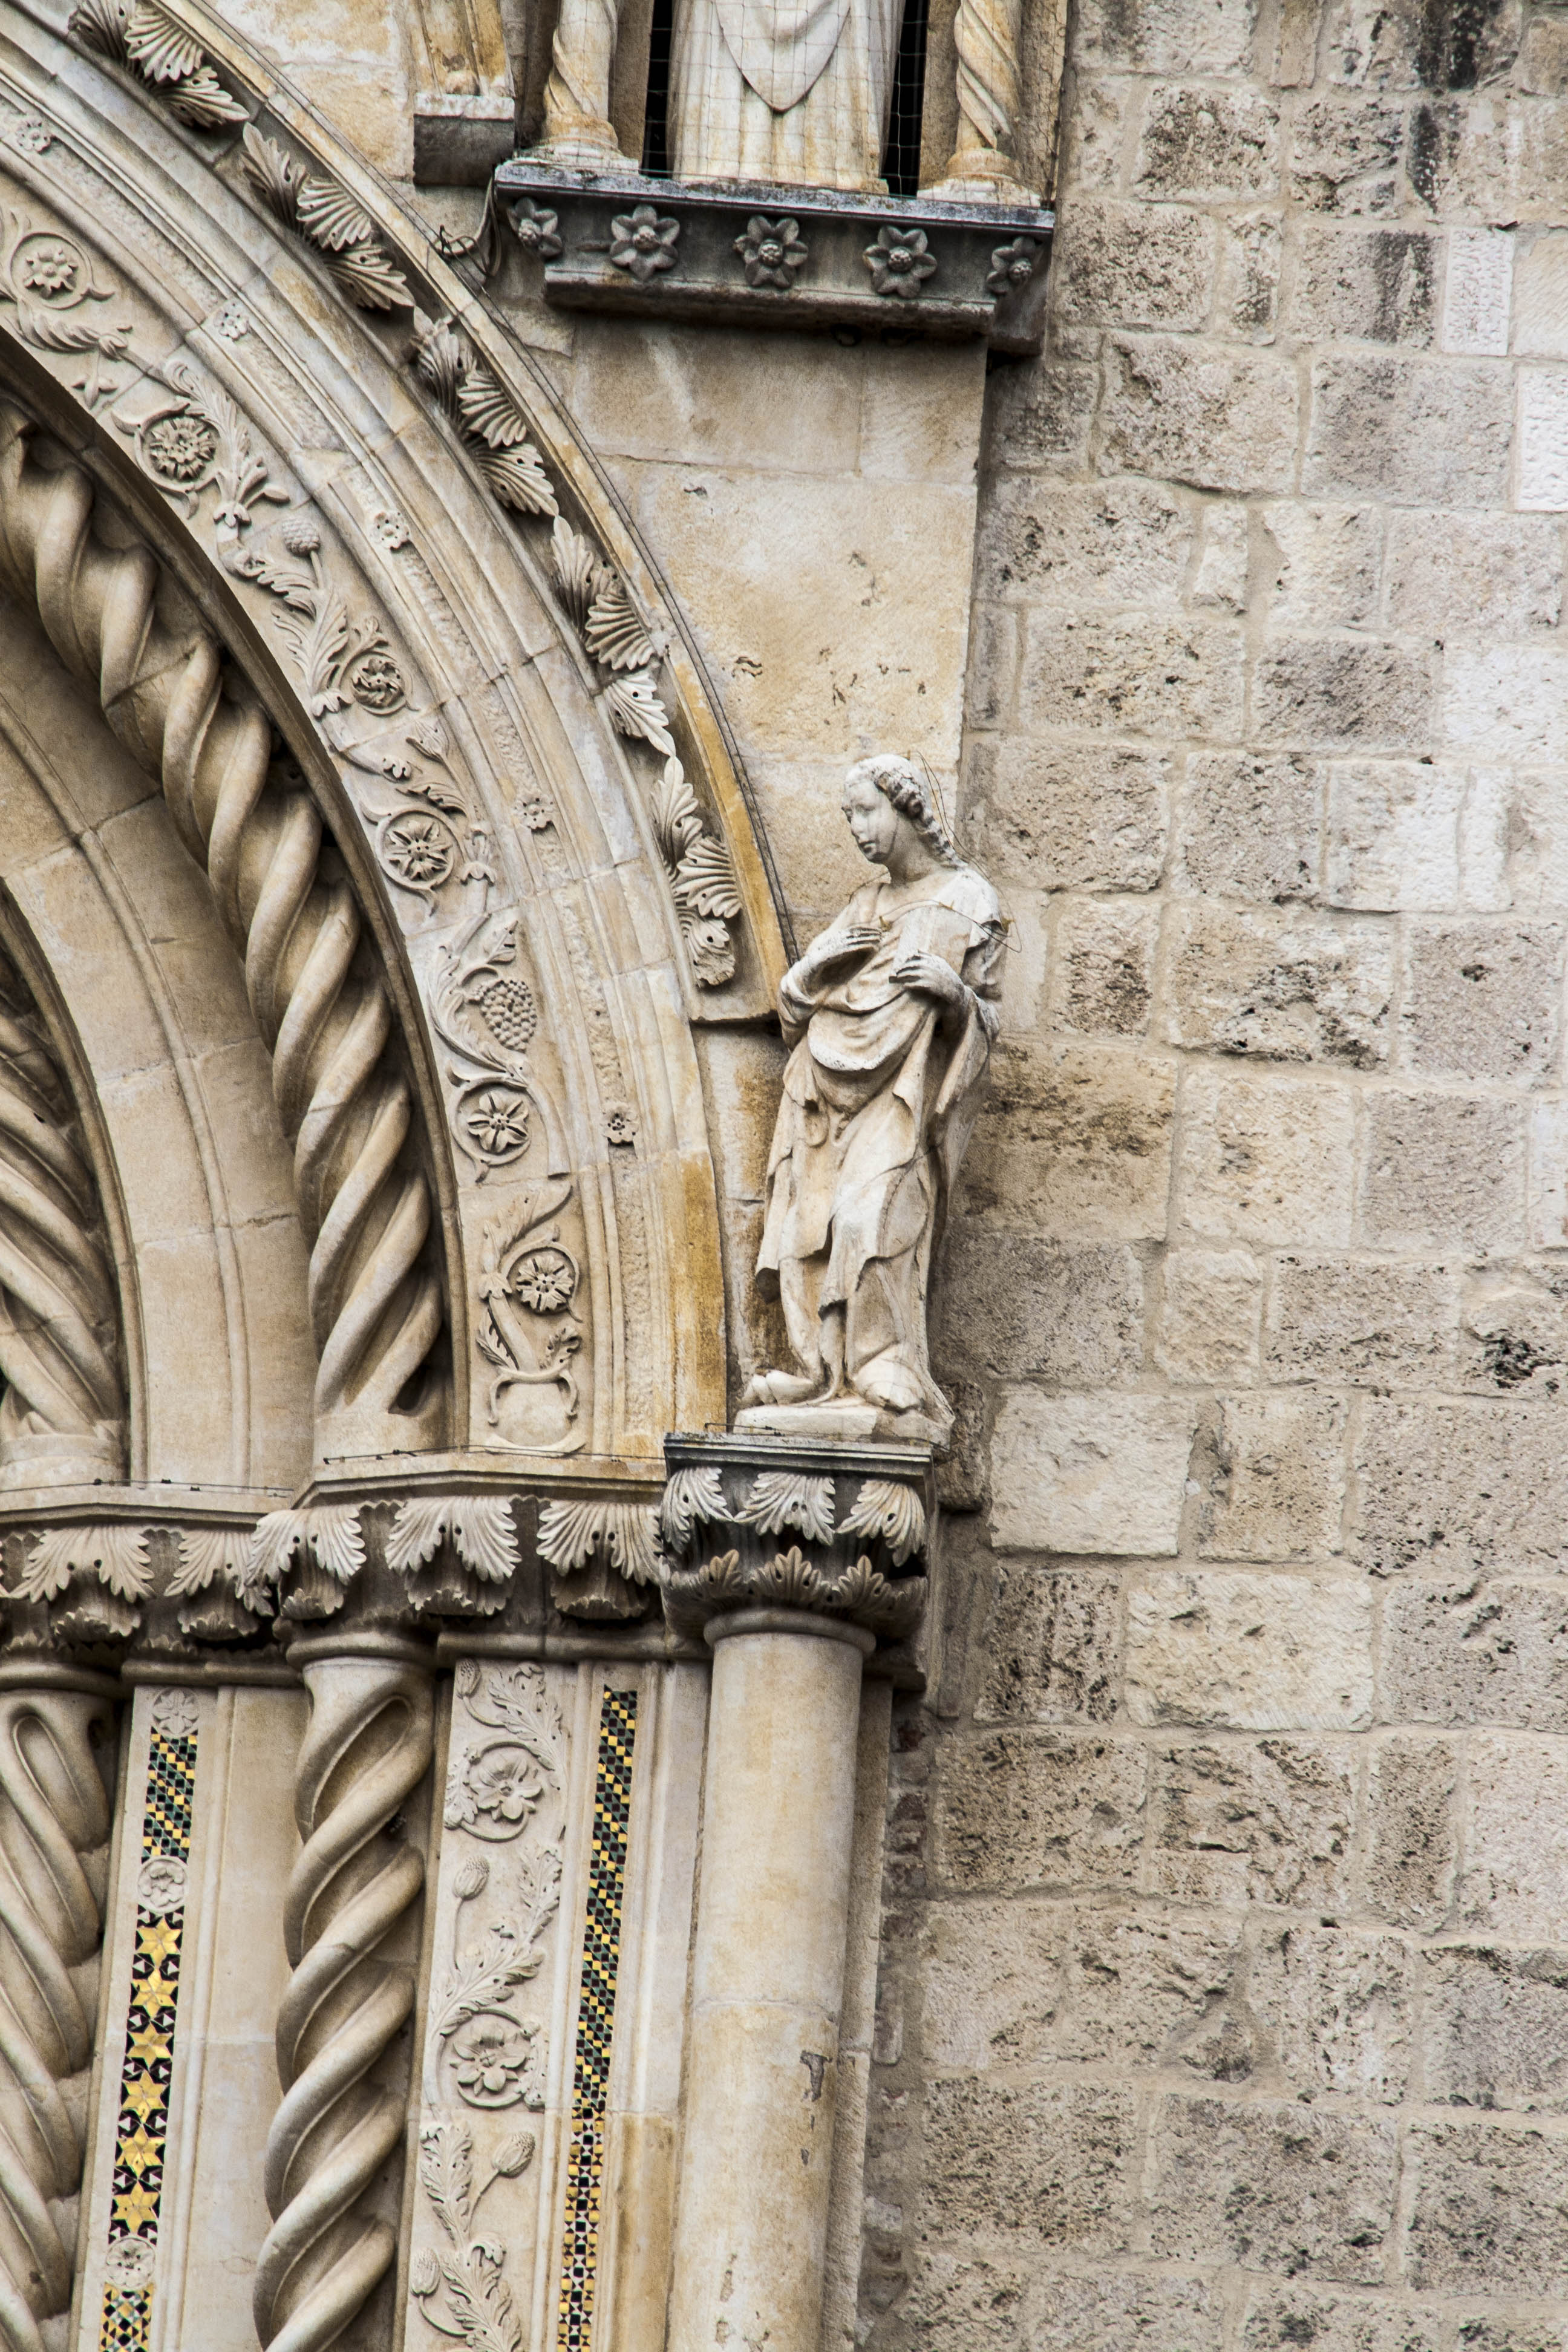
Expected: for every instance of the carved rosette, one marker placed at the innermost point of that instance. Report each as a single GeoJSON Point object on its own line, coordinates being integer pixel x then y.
{"type": "Point", "coordinates": [834, 1534]}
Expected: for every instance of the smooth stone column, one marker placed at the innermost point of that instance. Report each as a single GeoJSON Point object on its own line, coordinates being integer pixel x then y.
{"type": "Point", "coordinates": [767, 1980]}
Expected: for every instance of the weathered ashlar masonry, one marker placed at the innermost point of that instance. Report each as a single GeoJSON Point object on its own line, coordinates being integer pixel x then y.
{"type": "Point", "coordinates": [557, 1792]}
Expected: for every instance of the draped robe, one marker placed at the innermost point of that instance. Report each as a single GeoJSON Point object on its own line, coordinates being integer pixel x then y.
{"type": "Point", "coordinates": [792, 90]}
{"type": "Point", "coordinates": [878, 1103]}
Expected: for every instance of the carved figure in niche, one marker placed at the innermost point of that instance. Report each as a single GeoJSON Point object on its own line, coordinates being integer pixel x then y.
{"type": "Point", "coordinates": [786, 90]}
{"type": "Point", "coordinates": [891, 1013]}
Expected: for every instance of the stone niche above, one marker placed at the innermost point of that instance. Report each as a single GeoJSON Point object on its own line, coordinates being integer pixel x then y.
{"type": "Point", "coordinates": [767, 255]}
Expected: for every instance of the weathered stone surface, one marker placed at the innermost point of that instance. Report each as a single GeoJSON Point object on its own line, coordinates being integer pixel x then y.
{"type": "Point", "coordinates": [1452, 1487]}
{"type": "Point", "coordinates": [1039, 418]}
{"type": "Point", "coordinates": [1017, 1306]}
{"type": "Point", "coordinates": [1292, 987]}
{"type": "Point", "coordinates": [1125, 2312]}
{"type": "Point", "coordinates": [1515, 1878]}
{"type": "Point", "coordinates": [1262, 1820]}
{"type": "Point", "coordinates": [1061, 817]}
{"type": "Point", "coordinates": [1028, 1984]}
{"type": "Point", "coordinates": [1247, 279]}
{"type": "Point", "coordinates": [1497, 2027]}
{"type": "Point", "coordinates": [1036, 2164]}
{"type": "Point", "coordinates": [1121, 265]}
{"type": "Point", "coordinates": [1249, 827]}
{"type": "Point", "coordinates": [1375, 285]}
{"type": "Point", "coordinates": [1276, 1487]}
{"type": "Point", "coordinates": [1077, 543]}
{"type": "Point", "coordinates": [1249, 1653]}
{"type": "Point", "coordinates": [1264, 1161]}
{"type": "Point", "coordinates": [1274, 2186]}
{"type": "Point", "coordinates": [1339, 2009]}
{"type": "Point", "coordinates": [1505, 702]}
{"type": "Point", "coordinates": [1392, 838]}
{"type": "Point", "coordinates": [1021, 1809]}
{"type": "Point", "coordinates": [1514, 1331]}
{"type": "Point", "coordinates": [1220, 421]}
{"type": "Point", "coordinates": [1474, 572]}
{"type": "Point", "coordinates": [1341, 693]}
{"type": "Point", "coordinates": [1390, 1324]}
{"type": "Point", "coordinates": [971, 2302]}
{"type": "Point", "coordinates": [1073, 1139]}
{"type": "Point", "coordinates": [1220, 576]}
{"type": "Point", "coordinates": [1104, 973]}
{"type": "Point", "coordinates": [1051, 1647]}
{"type": "Point", "coordinates": [1210, 1304]}
{"type": "Point", "coordinates": [1442, 1169]}
{"type": "Point", "coordinates": [1089, 1473]}
{"type": "Point", "coordinates": [1170, 36]}
{"type": "Point", "coordinates": [1198, 142]}
{"type": "Point", "coordinates": [1482, 1002]}
{"type": "Point", "coordinates": [1488, 2212]}
{"type": "Point", "coordinates": [1422, 431]}
{"type": "Point", "coordinates": [1327, 564]}
{"type": "Point", "coordinates": [1411, 1832]}
{"type": "Point", "coordinates": [1344, 153]}
{"type": "Point", "coordinates": [1131, 675]}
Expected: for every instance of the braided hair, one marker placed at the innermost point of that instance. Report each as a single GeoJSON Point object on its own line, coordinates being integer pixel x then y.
{"type": "Point", "coordinates": [897, 780]}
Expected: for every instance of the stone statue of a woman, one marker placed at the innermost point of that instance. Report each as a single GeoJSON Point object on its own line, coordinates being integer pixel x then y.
{"type": "Point", "coordinates": [891, 1012]}
{"type": "Point", "coordinates": [793, 90]}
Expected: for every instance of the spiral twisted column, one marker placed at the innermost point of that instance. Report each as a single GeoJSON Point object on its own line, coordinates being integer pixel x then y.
{"type": "Point", "coordinates": [62, 1406]}
{"type": "Point", "coordinates": [990, 98]}
{"type": "Point", "coordinates": [376, 1303]}
{"type": "Point", "coordinates": [354, 1885]}
{"type": "Point", "coordinates": [54, 1865]}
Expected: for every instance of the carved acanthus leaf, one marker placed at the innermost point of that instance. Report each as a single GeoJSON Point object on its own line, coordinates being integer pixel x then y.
{"type": "Point", "coordinates": [159, 51]}
{"type": "Point", "coordinates": [864, 1593]}
{"type": "Point", "coordinates": [636, 711]}
{"type": "Point", "coordinates": [330, 1535]}
{"type": "Point", "coordinates": [480, 1529]}
{"type": "Point", "coordinates": [206, 1553]}
{"type": "Point", "coordinates": [790, 1578]}
{"type": "Point", "coordinates": [613, 632]}
{"type": "Point", "coordinates": [884, 1508]}
{"type": "Point", "coordinates": [116, 1556]}
{"type": "Point", "coordinates": [691, 1495]}
{"type": "Point", "coordinates": [785, 1498]}
{"type": "Point", "coordinates": [486, 415]}
{"type": "Point", "coordinates": [330, 220]}
{"type": "Point", "coordinates": [578, 571]}
{"type": "Point", "coordinates": [627, 1533]}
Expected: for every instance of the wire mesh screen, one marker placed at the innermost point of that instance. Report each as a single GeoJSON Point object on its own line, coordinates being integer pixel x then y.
{"type": "Point", "coordinates": [758, 100]}
{"type": "Point", "coordinates": [902, 155]}
{"type": "Point", "coordinates": [655, 119]}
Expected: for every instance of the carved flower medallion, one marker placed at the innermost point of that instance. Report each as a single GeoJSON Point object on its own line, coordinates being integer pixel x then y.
{"type": "Point", "coordinates": [1011, 265]}
{"type": "Point", "coordinates": [536, 228]}
{"type": "Point", "coordinates": [180, 449]}
{"type": "Point", "coordinates": [376, 682]}
{"type": "Point", "coordinates": [47, 268]}
{"type": "Point", "coordinates": [899, 262]}
{"type": "Point", "coordinates": [643, 241]}
{"type": "Point", "coordinates": [419, 850]}
{"type": "Point", "coordinates": [495, 1120]}
{"type": "Point", "coordinates": [544, 1281]}
{"type": "Point", "coordinates": [491, 2061]}
{"type": "Point", "coordinates": [771, 251]}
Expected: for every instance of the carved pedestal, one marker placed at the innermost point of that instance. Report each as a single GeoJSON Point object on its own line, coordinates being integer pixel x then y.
{"type": "Point", "coordinates": [793, 1558]}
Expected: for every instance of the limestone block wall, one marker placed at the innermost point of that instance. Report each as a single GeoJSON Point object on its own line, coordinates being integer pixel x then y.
{"type": "Point", "coordinates": [1224, 1991]}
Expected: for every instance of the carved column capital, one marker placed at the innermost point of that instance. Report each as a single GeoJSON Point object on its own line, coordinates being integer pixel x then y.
{"type": "Point", "coordinates": [765, 1534]}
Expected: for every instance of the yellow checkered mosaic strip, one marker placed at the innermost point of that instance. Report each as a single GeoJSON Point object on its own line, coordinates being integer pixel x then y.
{"type": "Point", "coordinates": [596, 2018]}
{"type": "Point", "coordinates": [143, 2125]}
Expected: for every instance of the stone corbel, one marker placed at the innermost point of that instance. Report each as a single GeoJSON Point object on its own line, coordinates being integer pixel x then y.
{"type": "Point", "coordinates": [797, 1561]}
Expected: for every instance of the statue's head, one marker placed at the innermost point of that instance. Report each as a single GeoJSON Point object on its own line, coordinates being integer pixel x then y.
{"type": "Point", "coordinates": [885, 795]}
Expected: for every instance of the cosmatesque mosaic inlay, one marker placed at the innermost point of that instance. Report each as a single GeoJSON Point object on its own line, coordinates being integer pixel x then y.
{"type": "Point", "coordinates": [596, 2018]}
{"type": "Point", "coordinates": [142, 2130]}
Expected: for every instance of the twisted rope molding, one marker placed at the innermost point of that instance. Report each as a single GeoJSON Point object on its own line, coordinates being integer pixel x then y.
{"type": "Point", "coordinates": [53, 1832]}
{"type": "Point", "coordinates": [376, 1310]}
{"type": "Point", "coordinates": [344, 2007]}
{"type": "Point", "coordinates": [62, 1410]}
